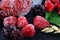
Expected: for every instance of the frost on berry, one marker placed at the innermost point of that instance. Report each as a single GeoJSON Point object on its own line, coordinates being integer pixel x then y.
{"type": "Point", "coordinates": [16, 7]}
{"type": "Point", "coordinates": [12, 34]}
{"type": "Point", "coordinates": [39, 22]}
{"type": "Point", "coordinates": [28, 30]}
{"type": "Point", "coordinates": [10, 21]}
{"type": "Point", "coordinates": [22, 21]}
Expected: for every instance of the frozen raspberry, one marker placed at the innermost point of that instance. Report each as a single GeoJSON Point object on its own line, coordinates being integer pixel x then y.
{"type": "Point", "coordinates": [10, 21]}
{"type": "Point", "coordinates": [22, 21]}
{"type": "Point", "coordinates": [55, 1]}
{"type": "Point", "coordinates": [49, 5]}
{"type": "Point", "coordinates": [58, 7]}
{"type": "Point", "coordinates": [16, 7]}
{"type": "Point", "coordinates": [39, 22]}
{"type": "Point", "coordinates": [28, 30]}
{"type": "Point", "coordinates": [58, 12]}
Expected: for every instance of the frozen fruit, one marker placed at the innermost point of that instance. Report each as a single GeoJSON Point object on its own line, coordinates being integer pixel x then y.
{"type": "Point", "coordinates": [28, 30]}
{"type": "Point", "coordinates": [2, 14]}
{"type": "Point", "coordinates": [22, 21]}
{"type": "Point", "coordinates": [55, 1]}
{"type": "Point", "coordinates": [39, 22]}
{"type": "Point", "coordinates": [58, 7]}
{"type": "Point", "coordinates": [12, 34]}
{"type": "Point", "coordinates": [10, 21]}
{"type": "Point", "coordinates": [58, 12]}
{"type": "Point", "coordinates": [49, 5]}
{"type": "Point", "coordinates": [39, 10]}
{"type": "Point", "coordinates": [6, 31]}
{"type": "Point", "coordinates": [16, 7]}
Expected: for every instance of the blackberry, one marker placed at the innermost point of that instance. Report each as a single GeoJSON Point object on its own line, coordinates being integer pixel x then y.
{"type": "Point", "coordinates": [20, 35]}
{"type": "Point", "coordinates": [2, 14]}
{"type": "Point", "coordinates": [12, 33]}
{"type": "Point", "coordinates": [6, 31]}
{"type": "Point", "coordinates": [39, 10]}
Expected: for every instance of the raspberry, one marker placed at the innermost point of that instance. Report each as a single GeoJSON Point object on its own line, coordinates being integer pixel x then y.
{"type": "Point", "coordinates": [49, 5]}
{"type": "Point", "coordinates": [58, 6]}
{"type": "Point", "coordinates": [39, 22]}
{"type": "Point", "coordinates": [58, 12]}
{"type": "Point", "coordinates": [28, 30]}
{"type": "Point", "coordinates": [55, 1]}
{"type": "Point", "coordinates": [22, 21]}
{"type": "Point", "coordinates": [10, 21]}
{"type": "Point", "coordinates": [16, 7]}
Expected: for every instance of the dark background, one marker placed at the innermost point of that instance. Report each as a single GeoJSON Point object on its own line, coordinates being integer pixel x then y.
{"type": "Point", "coordinates": [38, 35]}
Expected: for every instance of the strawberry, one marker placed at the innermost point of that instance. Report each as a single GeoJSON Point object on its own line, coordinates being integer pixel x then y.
{"type": "Point", "coordinates": [28, 30]}
{"type": "Point", "coordinates": [49, 5]}
{"type": "Point", "coordinates": [22, 21]}
{"type": "Point", "coordinates": [40, 23]}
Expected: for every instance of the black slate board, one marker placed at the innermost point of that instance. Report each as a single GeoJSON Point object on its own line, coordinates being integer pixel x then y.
{"type": "Point", "coordinates": [38, 35]}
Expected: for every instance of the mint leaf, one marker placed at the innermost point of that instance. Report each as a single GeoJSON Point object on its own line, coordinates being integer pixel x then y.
{"type": "Point", "coordinates": [53, 17]}
{"type": "Point", "coordinates": [47, 15]}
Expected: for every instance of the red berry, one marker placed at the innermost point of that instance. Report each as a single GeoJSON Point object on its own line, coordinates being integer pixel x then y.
{"type": "Point", "coordinates": [55, 1]}
{"type": "Point", "coordinates": [58, 6]}
{"type": "Point", "coordinates": [28, 30]}
{"type": "Point", "coordinates": [39, 22]}
{"type": "Point", "coordinates": [22, 21]}
{"type": "Point", "coordinates": [10, 21]}
{"type": "Point", "coordinates": [16, 7]}
{"type": "Point", "coordinates": [59, 12]}
{"type": "Point", "coordinates": [49, 5]}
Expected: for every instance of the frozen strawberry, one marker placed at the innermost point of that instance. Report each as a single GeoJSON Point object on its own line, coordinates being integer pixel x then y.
{"type": "Point", "coordinates": [22, 21]}
{"type": "Point", "coordinates": [10, 21]}
{"type": "Point", "coordinates": [49, 5]}
{"type": "Point", "coordinates": [39, 22]}
{"type": "Point", "coordinates": [16, 7]}
{"type": "Point", "coordinates": [28, 30]}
